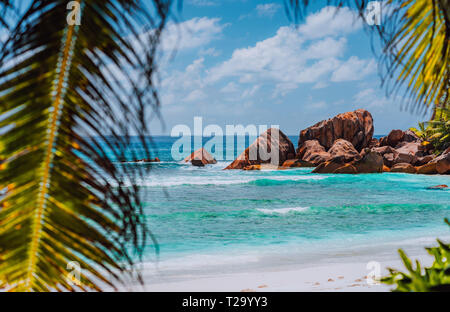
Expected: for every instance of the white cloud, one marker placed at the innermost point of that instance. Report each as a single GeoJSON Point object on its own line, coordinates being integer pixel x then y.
{"type": "Point", "coordinates": [203, 2]}
{"type": "Point", "coordinates": [328, 47]}
{"type": "Point", "coordinates": [318, 105]}
{"type": "Point", "coordinates": [310, 54]}
{"type": "Point", "coordinates": [250, 91]}
{"type": "Point", "coordinates": [353, 69]}
{"type": "Point", "coordinates": [313, 53]}
{"type": "Point", "coordinates": [194, 33]}
{"type": "Point", "coordinates": [284, 58]}
{"type": "Point", "coordinates": [370, 98]}
{"type": "Point", "coordinates": [191, 77]}
{"type": "Point", "coordinates": [284, 88]}
{"type": "Point", "coordinates": [209, 52]}
{"type": "Point", "coordinates": [330, 22]}
{"type": "Point", "coordinates": [176, 84]}
{"type": "Point", "coordinates": [231, 87]}
{"type": "Point", "coordinates": [320, 85]}
{"type": "Point", "coordinates": [268, 56]}
{"type": "Point", "coordinates": [268, 9]}
{"type": "Point", "coordinates": [195, 96]}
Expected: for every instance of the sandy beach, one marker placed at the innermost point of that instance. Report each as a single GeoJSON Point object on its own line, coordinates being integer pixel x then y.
{"type": "Point", "coordinates": [346, 270]}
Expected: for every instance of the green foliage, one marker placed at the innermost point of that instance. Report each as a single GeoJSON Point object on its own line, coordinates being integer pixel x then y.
{"type": "Point", "coordinates": [70, 96]}
{"type": "Point", "coordinates": [418, 279]}
{"type": "Point", "coordinates": [437, 131]}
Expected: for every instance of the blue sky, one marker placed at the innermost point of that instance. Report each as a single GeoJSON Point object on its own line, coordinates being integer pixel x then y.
{"type": "Point", "coordinates": [242, 62]}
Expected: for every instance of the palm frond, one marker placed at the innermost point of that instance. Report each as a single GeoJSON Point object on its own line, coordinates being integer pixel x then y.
{"type": "Point", "coordinates": [66, 118]}
{"type": "Point", "coordinates": [421, 51]}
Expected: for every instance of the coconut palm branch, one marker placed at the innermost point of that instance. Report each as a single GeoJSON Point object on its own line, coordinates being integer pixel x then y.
{"type": "Point", "coordinates": [70, 98]}
{"type": "Point", "coordinates": [415, 36]}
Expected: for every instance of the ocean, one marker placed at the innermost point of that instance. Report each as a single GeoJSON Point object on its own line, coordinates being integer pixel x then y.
{"type": "Point", "coordinates": [210, 217]}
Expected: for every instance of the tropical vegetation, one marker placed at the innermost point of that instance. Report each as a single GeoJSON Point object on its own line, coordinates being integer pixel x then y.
{"type": "Point", "coordinates": [436, 132]}
{"type": "Point", "coordinates": [418, 279]}
{"type": "Point", "coordinates": [70, 97]}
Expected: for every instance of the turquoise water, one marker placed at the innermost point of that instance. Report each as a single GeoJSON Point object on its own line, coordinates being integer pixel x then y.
{"type": "Point", "coordinates": [208, 210]}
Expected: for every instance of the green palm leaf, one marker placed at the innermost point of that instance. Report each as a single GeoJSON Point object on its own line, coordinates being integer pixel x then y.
{"type": "Point", "coordinates": [63, 197]}
{"type": "Point", "coordinates": [422, 51]}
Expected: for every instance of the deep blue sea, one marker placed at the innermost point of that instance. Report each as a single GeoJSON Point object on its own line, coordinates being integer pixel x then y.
{"type": "Point", "coordinates": [232, 213]}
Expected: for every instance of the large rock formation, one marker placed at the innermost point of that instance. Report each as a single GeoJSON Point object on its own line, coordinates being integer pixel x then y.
{"type": "Point", "coordinates": [389, 159]}
{"type": "Point", "coordinates": [397, 136]}
{"type": "Point", "coordinates": [410, 136]}
{"type": "Point", "coordinates": [394, 137]}
{"type": "Point", "coordinates": [403, 167]}
{"type": "Point", "coordinates": [311, 151]}
{"type": "Point", "coordinates": [412, 148]}
{"type": "Point", "coordinates": [297, 163]}
{"type": "Point", "coordinates": [329, 166]}
{"type": "Point", "coordinates": [367, 162]}
{"type": "Point", "coordinates": [424, 160]}
{"type": "Point", "coordinates": [343, 148]}
{"type": "Point", "coordinates": [355, 127]}
{"type": "Point", "coordinates": [346, 169]}
{"type": "Point", "coordinates": [404, 152]}
{"type": "Point", "coordinates": [371, 162]}
{"type": "Point", "coordinates": [273, 147]}
{"type": "Point", "coordinates": [385, 150]}
{"type": "Point", "coordinates": [429, 168]}
{"type": "Point", "coordinates": [443, 162]}
{"type": "Point", "coordinates": [200, 158]}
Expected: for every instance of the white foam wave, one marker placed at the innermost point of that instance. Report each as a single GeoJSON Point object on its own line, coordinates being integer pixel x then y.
{"type": "Point", "coordinates": [214, 181]}
{"type": "Point", "coordinates": [162, 181]}
{"type": "Point", "coordinates": [294, 178]}
{"type": "Point", "coordinates": [282, 210]}
{"type": "Point", "coordinates": [191, 182]}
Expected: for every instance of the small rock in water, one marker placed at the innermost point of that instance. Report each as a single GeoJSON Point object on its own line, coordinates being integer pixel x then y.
{"type": "Point", "coordinates": [145, 160]}
{"type": "Point", "coordinates": [438, 187]}
{"type": "Point", "coordinates": [200, 158]}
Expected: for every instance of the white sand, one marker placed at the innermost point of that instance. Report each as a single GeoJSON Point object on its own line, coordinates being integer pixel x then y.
{"type": "Point", "coordinates": [337, 277]}
{"type": "Point", "coordinates": [343, 271]}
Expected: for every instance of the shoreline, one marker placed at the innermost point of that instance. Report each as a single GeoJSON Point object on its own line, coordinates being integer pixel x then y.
{"type": "Point", "coordinates": [339, 270]}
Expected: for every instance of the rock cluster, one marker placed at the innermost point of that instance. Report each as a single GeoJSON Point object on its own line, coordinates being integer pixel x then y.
{"type": "Point", "coordinates": [345, 144]}
{"type": "Point", "coordinates": [400, 151]}
{"type": "Point", "coordinates": [340, 144]}
{"type": "Point", "coordinates": [355, 127]}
